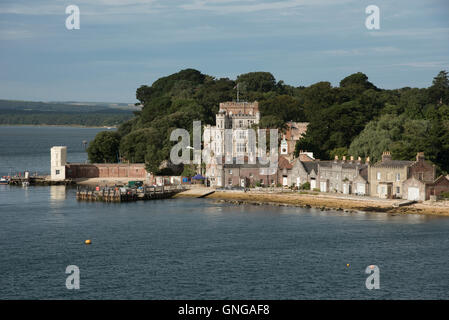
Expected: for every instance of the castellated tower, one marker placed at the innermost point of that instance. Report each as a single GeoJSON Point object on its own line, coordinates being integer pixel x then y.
{"type": "Point", "coordinates": [58, 162]}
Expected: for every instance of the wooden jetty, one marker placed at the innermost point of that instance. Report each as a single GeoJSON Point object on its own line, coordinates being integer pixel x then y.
{"type": "Point", "coordinates": [123, 194]}
{"type": "Point", "coordinates": [37, 180]}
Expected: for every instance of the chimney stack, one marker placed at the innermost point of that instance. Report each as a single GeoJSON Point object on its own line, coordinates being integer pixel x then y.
{"type": "Point", "coordinates": [344, 158]}
{"type": "Point", "coordinates": [359, 159]}
{"type": "Point", "coordinates": [335, 158]}
{"type": "Point", "coordinates": [352, 158]}
{"type": "Point", "coordinates": [386, 156]}
{"type": "Point", "coordinates": [367, 160]}
{"type": "Point", "coordinates": [420, 156]}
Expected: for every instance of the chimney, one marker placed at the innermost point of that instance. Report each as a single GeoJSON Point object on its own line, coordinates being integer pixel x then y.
{"type": "Point", "coordinates": [420, 156]}
{"type": "Point", "coordinates": [344, 158]}
{"type": "Point", "coordinates": [336, 159]}
{"type": "Point", "coordinates": [352, 158]}
{"type": "Point", "coordinates": [367, 160]}
{"type": "Point", "coordinates": [359, 160]}
{"type": "Point", "coordinates": [386, 156]}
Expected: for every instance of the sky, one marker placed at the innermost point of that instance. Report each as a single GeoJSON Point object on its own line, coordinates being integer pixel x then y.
{"type": "Point", "coordinates": [123, 44]}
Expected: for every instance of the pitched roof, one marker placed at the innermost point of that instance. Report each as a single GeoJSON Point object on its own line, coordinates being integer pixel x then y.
{"type": "Point", "coordinates": [284, 163]}
{"type": "Point", "coordinates": [304, 157]}
{"type": "Point", "coordinates": [310, 165]}
{"type": "Point", "coordinates": [393, 163]}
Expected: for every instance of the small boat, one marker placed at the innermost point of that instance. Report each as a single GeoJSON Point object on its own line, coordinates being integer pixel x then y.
{"type": "Point", "coordinates": [3, 180]}
{"type": "Point", "coordinates": [25, 184]}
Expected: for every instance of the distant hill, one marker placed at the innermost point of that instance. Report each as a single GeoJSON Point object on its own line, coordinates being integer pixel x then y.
{"type": "Point", "coordinates": [13, 112]}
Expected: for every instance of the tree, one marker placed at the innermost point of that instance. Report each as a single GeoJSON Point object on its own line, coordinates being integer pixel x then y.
{"type": "Point", "coordinates": [439, 91]}
{"type": "Point", "coordinates": [104, 148]}
{"type": "Point", "coordinates": [257, 81]}
{"type": "Point", "coordinates": [272, 122]}
{"type": "Point", "coordinates": [189, 170]}
{"type": "Point", "coordinates": [283, 107]}
{"type": "Point", "coordinates": [340, 152]}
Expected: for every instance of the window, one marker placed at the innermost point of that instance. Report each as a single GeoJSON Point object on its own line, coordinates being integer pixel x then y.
{"type": "Point", "coordinates": [242, 134]}
{"type": "Point", "coordinates": [58, 171]}
{"type": "Point", "coordinates": [230, 171]}
{"type": "Point", "coordinates": [241, 147]}
{"type": "Point", "coordinates": [240, 123]}
{"type": "Point", "coordinates": [230, 181]}
{"type": "Point", "coordinates": [398, 177]}
{"type": "Point", "coordinates": [398, 190]}
{"type": "Point", "coordinates": [378, 175]}
{"type": "Point", "coordinates": [421, 176]}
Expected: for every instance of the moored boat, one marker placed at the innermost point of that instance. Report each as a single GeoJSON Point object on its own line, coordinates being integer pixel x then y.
{"type": "Point", "coordinates": [4, 180]}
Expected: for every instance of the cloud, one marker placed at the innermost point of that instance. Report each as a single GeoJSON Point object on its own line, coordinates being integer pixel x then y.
{"type": "Point", "coordinates": [15, 34]}
{"type": "Point", "coordinates": [415, 33]}
{"type": "Point", "coordinates": [246, 6]}
{"type": "Point", "coordinates": [425, 64]}
{"type": "Point", "coordinates": [88, 7]}
{"type": "Point", "coordinates": [362, 51]}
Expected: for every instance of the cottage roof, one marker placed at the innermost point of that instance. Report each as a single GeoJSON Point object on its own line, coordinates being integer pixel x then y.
{"type": "Point", "coordinates": [393, 163]}
{"type": "Point", "coordinates": [441, 179]}
{"type": "Point", "coordinates": [304, 157]}
{"type": "Point", "coordinates": [310, 165]}
{"type": "Point", "coordinates": [283, 163]}
{"type": "Point", "coordinates": [343, 164]}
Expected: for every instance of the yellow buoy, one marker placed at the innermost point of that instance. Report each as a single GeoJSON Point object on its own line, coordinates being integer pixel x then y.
{"type": "Point", "coordinates": [88, 242]}
{"type": "Point", "coordinates": [347, 265]}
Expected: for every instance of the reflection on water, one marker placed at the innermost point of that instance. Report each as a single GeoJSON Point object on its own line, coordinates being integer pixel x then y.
{"type": "Point", "coordinates": [57, 194]}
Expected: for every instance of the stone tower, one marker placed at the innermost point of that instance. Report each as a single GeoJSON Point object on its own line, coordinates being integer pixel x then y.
{"type": "Point", "coordinates": [58, 162]}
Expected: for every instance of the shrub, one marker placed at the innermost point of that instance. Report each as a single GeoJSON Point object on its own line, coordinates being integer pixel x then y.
{"type": "Point", "coordinates": [305, 186]}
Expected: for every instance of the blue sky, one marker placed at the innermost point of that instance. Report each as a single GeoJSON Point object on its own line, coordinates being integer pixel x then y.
{"type": "Point", "coordinates": [123, 44]}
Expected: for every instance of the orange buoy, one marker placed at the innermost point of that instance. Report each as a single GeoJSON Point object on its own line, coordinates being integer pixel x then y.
{"type": "Point", "coordinates": [87, 241]}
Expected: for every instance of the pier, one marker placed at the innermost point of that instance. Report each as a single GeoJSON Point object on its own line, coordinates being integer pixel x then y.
{"type": "Point", "coordinates": [37, 180]}
{"type": "Point", "coordinates": [123, 194]}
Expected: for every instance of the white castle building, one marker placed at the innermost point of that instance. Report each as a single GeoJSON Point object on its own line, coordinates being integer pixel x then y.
{"type": "Point", "coordinates": [239, 117]}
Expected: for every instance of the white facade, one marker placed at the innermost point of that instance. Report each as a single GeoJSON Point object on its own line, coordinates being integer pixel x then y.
{"type": "Point", "coordinates": [233, 119]}
{"type": "Point", "coordinates": [58, 162]}
{"type": "Point", "coordinates": [238, 117]}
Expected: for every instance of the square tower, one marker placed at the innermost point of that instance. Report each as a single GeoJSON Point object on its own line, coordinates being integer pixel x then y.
{"type": "Point", "coordinates": [58, 162]}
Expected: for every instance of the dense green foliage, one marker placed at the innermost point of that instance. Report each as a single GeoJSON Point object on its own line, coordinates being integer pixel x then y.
{"type": "Point", "coordinates": [44, 113]}
{"type": "Point", "coordinates": [356, 118]}
{"type": "Point", "coordinates": [104, 147]}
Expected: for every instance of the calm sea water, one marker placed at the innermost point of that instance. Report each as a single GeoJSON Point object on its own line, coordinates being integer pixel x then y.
{"type": "Point", "coordinates": [28, 148]}
{"type": "Point", "coordinates": [198, 249]}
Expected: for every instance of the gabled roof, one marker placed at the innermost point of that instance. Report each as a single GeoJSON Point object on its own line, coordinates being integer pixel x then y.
{"type": "Point", "coordinates": [310, 165]}
{"type": "Point", "coordinates": [283, 163]}
{"type": "Point", "coordinates": [441, 179]}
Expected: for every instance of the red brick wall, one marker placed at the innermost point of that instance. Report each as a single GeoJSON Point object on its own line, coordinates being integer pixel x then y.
{"type": "Point", "coordinates": [440, 187]}
{"type": "Point", "coordinates": [112, 170]}
{"type": "Point", "coordinates": [424, 167]}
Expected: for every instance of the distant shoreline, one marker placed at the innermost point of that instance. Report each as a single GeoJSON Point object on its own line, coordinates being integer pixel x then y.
{"type": "Point", "coordinates": [58, 125]}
